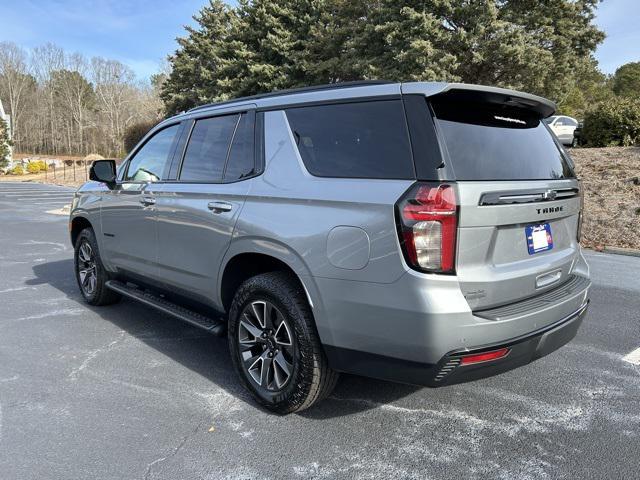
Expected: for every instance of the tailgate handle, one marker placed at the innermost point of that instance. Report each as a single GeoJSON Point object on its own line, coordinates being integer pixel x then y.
{"type": "Point", "coordinates": [548, 278]}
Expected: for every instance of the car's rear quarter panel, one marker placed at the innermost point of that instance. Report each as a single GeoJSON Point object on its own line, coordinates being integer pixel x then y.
{"type": "Point", "coordinates": [293, 214]}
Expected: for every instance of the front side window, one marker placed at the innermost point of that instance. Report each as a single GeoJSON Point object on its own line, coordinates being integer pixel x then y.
{"type": "Point", "coordinates": [206, 153]}
{"type": "Point", "coordinates": [149, 162]}
{"type": "Point", "coordinates": [354, 140]}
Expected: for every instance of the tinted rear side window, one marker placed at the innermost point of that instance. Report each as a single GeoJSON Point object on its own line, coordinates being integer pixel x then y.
{"type": "Point", "coordinates": [241, 157]}
{"type": "Point", "coordinates": [207, 150]}
{"type": "Point", "coordinates": [354, 140]}
{"type": "Point", "coordinates": [487, 142]}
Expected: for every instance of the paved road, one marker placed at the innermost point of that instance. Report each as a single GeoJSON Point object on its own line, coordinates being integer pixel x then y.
{"type": "Point", "coordinates": [124, 392]}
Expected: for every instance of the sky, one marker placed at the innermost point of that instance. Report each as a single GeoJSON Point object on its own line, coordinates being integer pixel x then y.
{"type": "Point", "coordinates": [141, 33]}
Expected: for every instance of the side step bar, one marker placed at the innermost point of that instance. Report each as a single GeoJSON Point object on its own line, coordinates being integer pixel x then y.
{"type": "Point", "coordinates": [215, 326]}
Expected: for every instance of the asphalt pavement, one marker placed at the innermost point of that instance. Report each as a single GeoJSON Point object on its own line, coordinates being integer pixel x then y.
{"type": "Point", "coordinates": [124, 392]}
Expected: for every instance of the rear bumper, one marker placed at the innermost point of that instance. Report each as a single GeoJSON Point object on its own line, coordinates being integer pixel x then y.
{"type": "Point", "coordinates": [522, 351]}
{"type": "Point", "coordinates": [448, 370]}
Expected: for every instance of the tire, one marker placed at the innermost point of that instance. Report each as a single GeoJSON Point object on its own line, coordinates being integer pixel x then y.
{"type": "Point", "coordinates": [279, 299]}
{"type": "Point", "coordinates": [92, 283]}
{"type": "Point", "coordinates": [574, 142]}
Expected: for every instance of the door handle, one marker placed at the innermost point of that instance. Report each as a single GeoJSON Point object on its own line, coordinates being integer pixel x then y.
{"type": "Point", "coordinates": [219, 207]}
{"type": "Point", "coordinates": [147, 201]}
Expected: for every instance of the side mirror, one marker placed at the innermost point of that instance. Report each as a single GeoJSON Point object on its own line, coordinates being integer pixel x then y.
{"type": "Point", "coordinates": [103, 171]}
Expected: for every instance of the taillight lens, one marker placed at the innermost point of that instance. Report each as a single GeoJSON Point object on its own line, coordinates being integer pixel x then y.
{"type": "Point", "coordinates": [427, 224]}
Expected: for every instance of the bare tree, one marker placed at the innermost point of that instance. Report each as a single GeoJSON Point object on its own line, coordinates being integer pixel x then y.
{"type": "Point", "coordinates": [46, 59]}
{"type": "Point", "coordinates": [65, 104]}
{"type": "Point", "coordinates": [15, 81]}
{"type": "Point", "coordinates": [114, 86]}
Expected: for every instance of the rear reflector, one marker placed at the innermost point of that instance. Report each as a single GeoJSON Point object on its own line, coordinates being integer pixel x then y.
{"type": "Point", "coordinates": [484, 357]}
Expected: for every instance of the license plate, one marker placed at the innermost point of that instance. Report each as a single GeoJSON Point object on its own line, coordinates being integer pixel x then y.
{"type": "Point", "coordinates": [539, 238]}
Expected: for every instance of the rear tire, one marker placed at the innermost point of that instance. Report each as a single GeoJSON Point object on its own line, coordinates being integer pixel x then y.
{"type": "Point", "coordinates": [90, 273]}
{"type": "Point", "coordinates": [275, 346]}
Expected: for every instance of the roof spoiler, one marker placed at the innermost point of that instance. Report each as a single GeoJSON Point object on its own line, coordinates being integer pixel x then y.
{"type": "Point", "coordinates": [482, 93]}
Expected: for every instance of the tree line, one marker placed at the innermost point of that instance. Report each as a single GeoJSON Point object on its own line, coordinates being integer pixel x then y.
{"type": "Point", "coordinates": [63, 103]}
{"type": "Point", "coordinates": [544, 48]}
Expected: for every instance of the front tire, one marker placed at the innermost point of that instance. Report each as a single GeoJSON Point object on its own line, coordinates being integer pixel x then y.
{"type": "Point", "coordinates": [274, 344]}
{"type": "Point", "coordinates": [90, 273]}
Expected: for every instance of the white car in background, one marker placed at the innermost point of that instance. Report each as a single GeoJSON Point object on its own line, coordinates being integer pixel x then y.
{"type": "Point", "coordinates": [563, 128]}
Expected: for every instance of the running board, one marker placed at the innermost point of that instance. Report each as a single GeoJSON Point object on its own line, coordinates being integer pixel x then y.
{"type": "Point", "coordinates": [216, 327]}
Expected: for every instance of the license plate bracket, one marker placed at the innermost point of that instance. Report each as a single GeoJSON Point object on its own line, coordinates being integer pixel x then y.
{"type": "Point", "coordinates": [539, 238]}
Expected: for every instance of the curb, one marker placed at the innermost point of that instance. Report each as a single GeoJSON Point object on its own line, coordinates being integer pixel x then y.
{"type": "Point", "coordinates": [631, 252]}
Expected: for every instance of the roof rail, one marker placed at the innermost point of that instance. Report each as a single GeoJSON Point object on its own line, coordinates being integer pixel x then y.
{"type": "Point", "coordinates": [292, 91]}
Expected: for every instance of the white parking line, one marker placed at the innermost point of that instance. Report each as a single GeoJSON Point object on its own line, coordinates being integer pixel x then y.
{"type": "Point", "coordinates": [633, 357]}
{"type": "Point", "coordinates": [47, 194]}
{"type": "Point", "coordinates": [32, 190]}
{"type": "Point", "coordinates": [31, 201]}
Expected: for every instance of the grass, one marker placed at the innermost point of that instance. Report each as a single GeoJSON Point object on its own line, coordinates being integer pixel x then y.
{"type": "Point", "coordinates": [611, 182]}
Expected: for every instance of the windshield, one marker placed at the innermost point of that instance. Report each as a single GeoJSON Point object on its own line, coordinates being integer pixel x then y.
{"type": "Point", "coordinates": [549, 120]}
{"type": "Point", "coordinates": [488, 142]}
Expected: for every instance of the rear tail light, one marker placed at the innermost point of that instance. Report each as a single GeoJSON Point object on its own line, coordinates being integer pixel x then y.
{"type": "Point", "coordinates": [484, 357]}
{"type": "Point", "coordinates": [427, 218]}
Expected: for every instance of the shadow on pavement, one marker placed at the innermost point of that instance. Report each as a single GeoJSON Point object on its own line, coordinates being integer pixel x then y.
{"type": "Point", "coordinates": [208, 355]}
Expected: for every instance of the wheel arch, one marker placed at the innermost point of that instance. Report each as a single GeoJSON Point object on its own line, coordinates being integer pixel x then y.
{"type": "Point", "coordinates": [252, 256]}
{"type": "Point", "coordinates": [76, 225]}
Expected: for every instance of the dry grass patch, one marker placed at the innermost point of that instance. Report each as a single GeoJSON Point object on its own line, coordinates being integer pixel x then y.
{"type": "Point", "coordinates": [611, 180]}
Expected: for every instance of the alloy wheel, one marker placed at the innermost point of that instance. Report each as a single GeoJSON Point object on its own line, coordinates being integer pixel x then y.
{"type": "Point", "coordinates": [266, 345]}
{"type": "Point", "coordinates": [87, 271]}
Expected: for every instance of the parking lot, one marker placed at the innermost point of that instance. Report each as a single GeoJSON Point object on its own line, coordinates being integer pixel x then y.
{"type": "Point", "coordinates": [125, 392]}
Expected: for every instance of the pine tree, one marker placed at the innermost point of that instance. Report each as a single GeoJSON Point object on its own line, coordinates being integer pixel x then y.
{"type": "Point", "coordinates": [199, 65]}
{"type": "Point", "coordinates": [626, 80]}
{"type": "Point", "coordinates": [265, 45]}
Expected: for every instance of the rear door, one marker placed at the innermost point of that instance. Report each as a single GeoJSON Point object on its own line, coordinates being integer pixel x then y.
{"type": "Point", "coordinates": [197, 210]}
{"type": "Point", "coordinates": [519, 200]}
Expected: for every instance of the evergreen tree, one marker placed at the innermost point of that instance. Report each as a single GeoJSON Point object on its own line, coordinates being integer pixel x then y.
{"type": "Point", "coordinates": [626, 80]}
{"type": "Point", "coordinates": [265, 45]}
{"type": "Point", "coordinates": [589, 88]}
{"type": "Point", "coordinates": [196, 75]}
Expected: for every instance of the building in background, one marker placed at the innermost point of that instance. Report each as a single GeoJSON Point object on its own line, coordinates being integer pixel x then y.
{"type": "Point", "coordinates": [4, 116]}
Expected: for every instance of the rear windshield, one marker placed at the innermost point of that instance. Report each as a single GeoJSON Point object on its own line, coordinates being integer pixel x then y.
{"type": "Point", "coordinates": [492, 143]}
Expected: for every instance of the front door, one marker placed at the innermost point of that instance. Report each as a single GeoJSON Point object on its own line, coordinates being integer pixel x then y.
{"type": "Point", "coordinates": [198, 211]}
{"type": "Point", "coordinates": [128, 210]}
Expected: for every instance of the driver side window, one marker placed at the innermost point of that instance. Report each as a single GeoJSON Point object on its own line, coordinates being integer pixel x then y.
{"type": "Point", "coordinates": [149, 162]}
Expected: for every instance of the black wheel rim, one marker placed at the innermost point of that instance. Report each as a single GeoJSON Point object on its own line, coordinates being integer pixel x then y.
{"type": "Point", "coordinates": [266, 345]}
{"type": "Point", "coordinates": [87, 274]}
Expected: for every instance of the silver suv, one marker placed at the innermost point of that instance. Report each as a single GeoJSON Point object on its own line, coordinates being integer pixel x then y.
{"type": "Point", "coordinates": [425, 233]}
